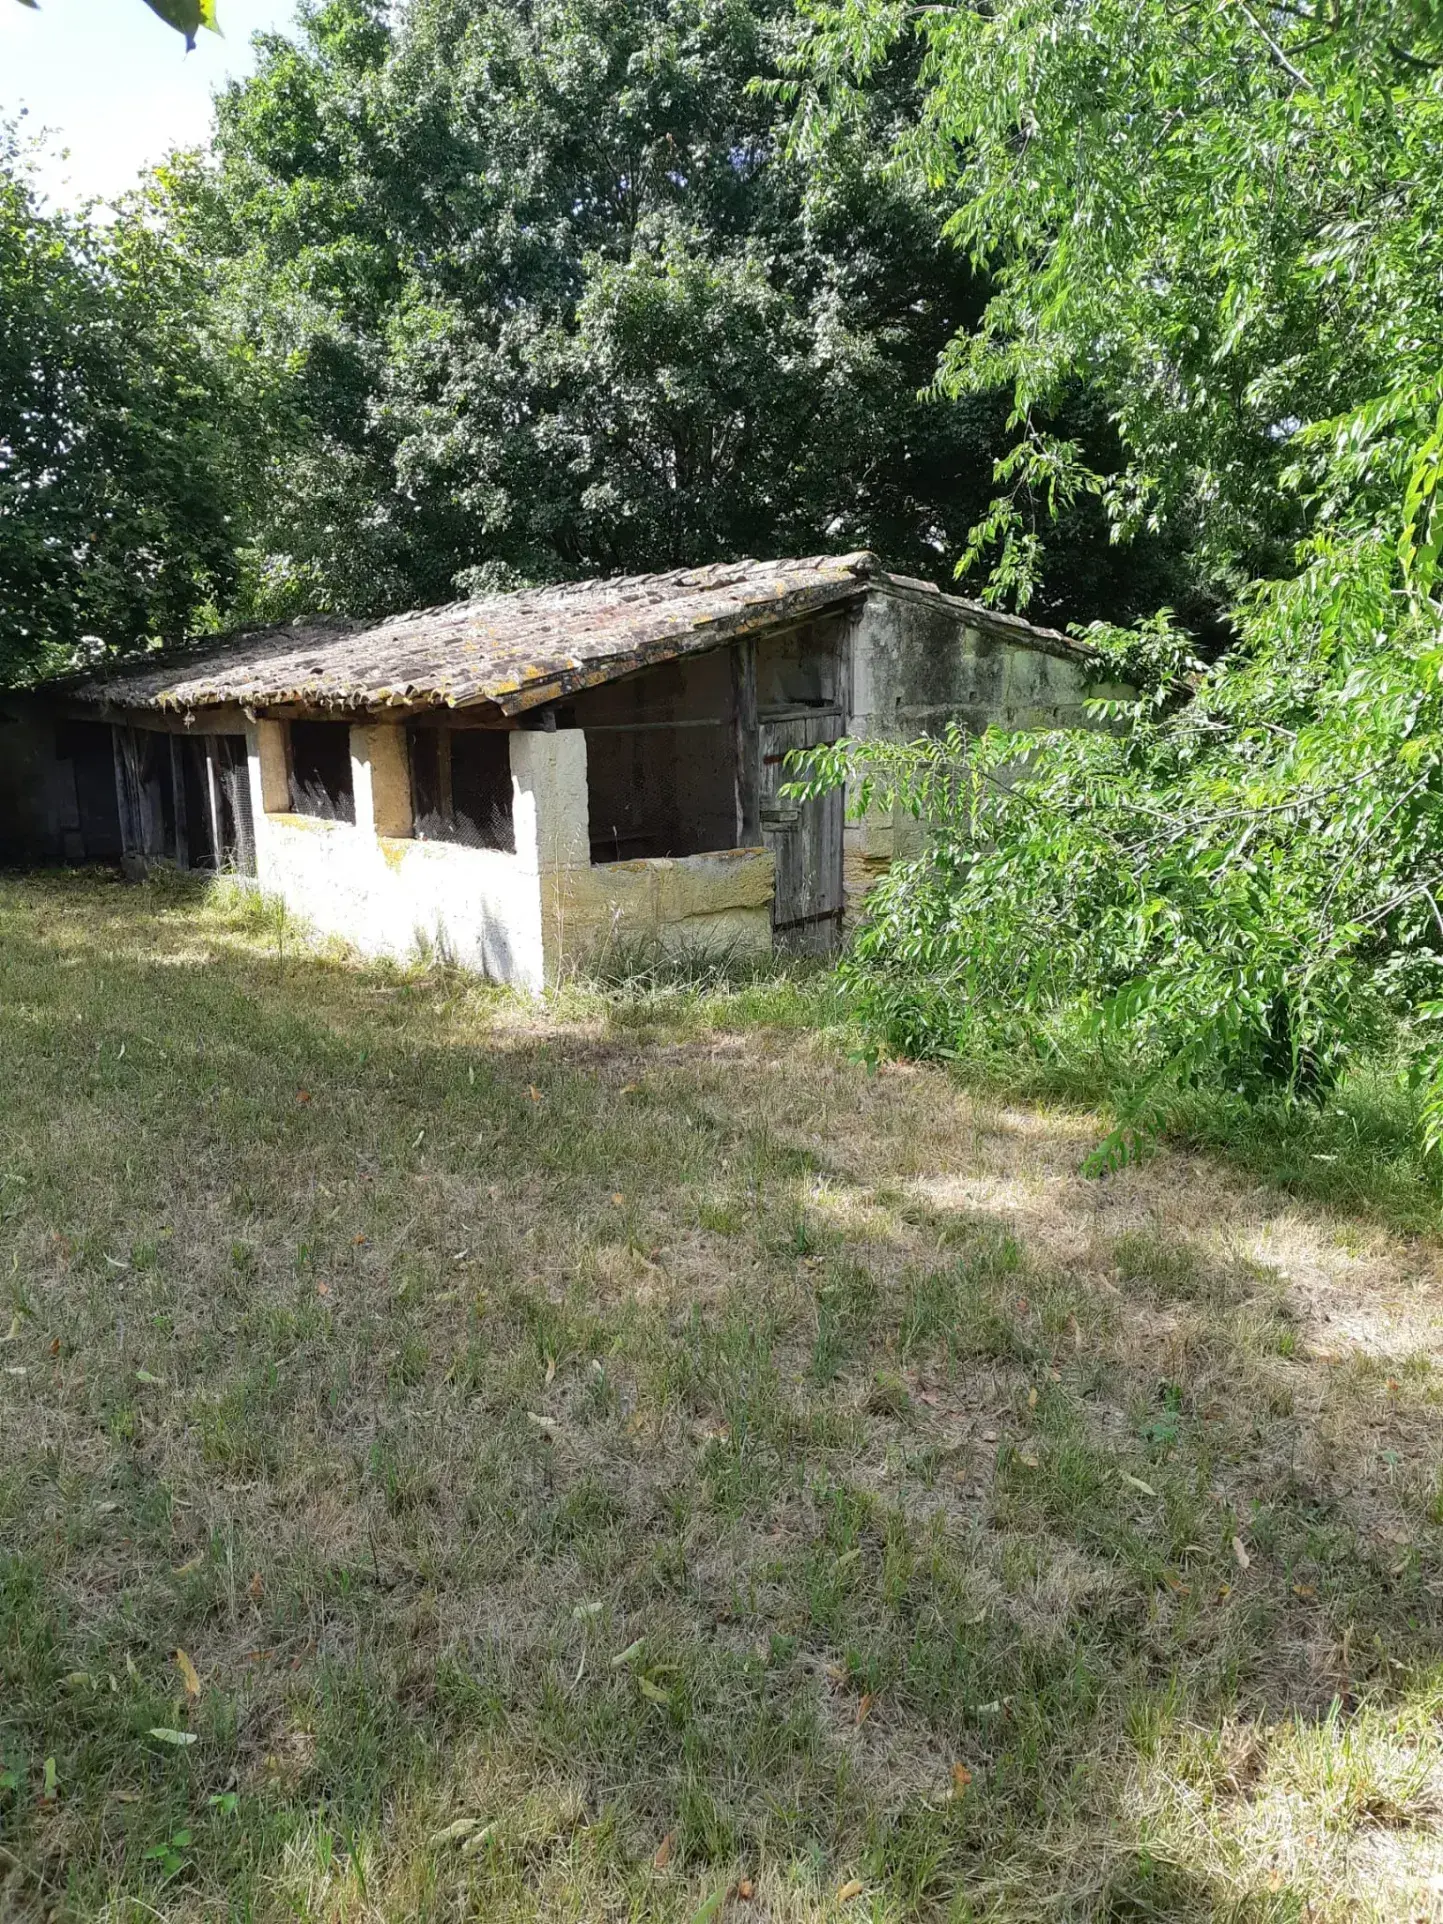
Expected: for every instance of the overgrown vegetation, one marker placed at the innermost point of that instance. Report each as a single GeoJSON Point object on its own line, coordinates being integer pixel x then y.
{"type": "Point", "coordinates": [463, 1459]}
{"type": "Point", "coordinates": [1229, 218]}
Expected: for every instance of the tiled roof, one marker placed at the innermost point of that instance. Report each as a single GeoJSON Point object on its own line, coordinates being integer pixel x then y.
{"type": "Point", "coordinates": [512, 652]}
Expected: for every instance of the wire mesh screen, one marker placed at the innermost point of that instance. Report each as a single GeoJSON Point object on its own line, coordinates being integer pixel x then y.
{"type": "Point", "coordinates": [461, 787]}
{"type": "Point", "coordinates": [321, 771]}
{"type": "Point", "coordinates": [237, 825]}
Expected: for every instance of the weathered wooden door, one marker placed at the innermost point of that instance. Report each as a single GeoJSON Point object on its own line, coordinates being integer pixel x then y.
{"type": "Point", "coordinates": [805, 837]}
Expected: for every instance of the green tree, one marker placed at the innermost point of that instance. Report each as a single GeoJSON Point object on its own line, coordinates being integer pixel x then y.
{"type": "Point", "coordinates": [116, 453]}
{"type": "Point", "coordinates": [538, 292]}
{"type": "Point", "coordinates": [1226, 219]}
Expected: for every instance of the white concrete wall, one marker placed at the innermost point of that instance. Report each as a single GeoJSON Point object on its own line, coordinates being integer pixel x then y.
{"type": "Point", "coordinates": [390, 895]}
{"type": "Point", "coordinates": [524, 918]}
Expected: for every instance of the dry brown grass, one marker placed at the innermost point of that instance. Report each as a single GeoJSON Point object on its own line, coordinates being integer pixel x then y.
{"type": "Point", "coordinates": [631, 1421]}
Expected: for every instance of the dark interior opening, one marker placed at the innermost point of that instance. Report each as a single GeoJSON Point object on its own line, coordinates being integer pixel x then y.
{"type": "Point", "coordinates": [321, 771]}
{"type": "Point", "coordinates": [661, 760]}
{"type": "Point", "coordinates": [89, 747]}
{"type": "Point", "coordinates": [158, 790]}
{"type": "Point", "coordinates": [461, 786]}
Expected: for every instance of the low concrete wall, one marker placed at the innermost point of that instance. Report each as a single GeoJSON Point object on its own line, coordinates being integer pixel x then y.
{"type": "Point", "coordinates": [526, 917]}
{"type": "Point", "coordinates": [715, 902]}
{"type": "Point", "coordinates": [719, 904]}
{"type": "Point", "coordinates": [386, 894]}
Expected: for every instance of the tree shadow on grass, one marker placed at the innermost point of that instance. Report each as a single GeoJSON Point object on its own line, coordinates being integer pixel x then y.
{"type": "Point", "coordinates": [587, 1474]}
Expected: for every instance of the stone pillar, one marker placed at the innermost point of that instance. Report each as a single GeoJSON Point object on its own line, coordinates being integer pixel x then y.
{"type": "Point", "coordinates": [381, 778]}
{"type": "Point", "coordinates": [549, 802]}
{"type": "Point", "coordinates": [270, 769]}
{"type": "Point", "coordinates": [552, 819]}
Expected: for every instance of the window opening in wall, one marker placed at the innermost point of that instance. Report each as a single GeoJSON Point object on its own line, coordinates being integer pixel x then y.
{"type": "Point", "coordinates": [461, 786]}
{"type": "Point", "coordinates": [660, 788]}
{"type": "Point", "coordinates": [321, 771]}
{"type": "Point", "coordinates": [661, 763]}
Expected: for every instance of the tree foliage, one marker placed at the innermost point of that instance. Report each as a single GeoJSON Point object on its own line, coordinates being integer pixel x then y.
{"type": "Point", "coordinates": [117, 445]}
{"type": "Point", "coordinates": [1228, 218]}
{"type": "Point", "coordinates": [537, 292]}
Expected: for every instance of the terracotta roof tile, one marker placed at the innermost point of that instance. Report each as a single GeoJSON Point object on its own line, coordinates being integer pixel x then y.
{"type": "Point", "coordinates": [514, 651]}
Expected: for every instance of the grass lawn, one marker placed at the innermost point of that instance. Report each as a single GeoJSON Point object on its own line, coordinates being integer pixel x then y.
{"type": "Point", "coordinates": [621, 1460]}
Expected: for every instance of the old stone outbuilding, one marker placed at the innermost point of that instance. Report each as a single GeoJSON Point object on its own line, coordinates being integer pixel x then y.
{"type": "Point", "coordinates": [520, 781]}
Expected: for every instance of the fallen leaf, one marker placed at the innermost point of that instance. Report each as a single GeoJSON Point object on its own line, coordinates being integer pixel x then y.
{"type": "Point", "coordinates": [542, 1422]}
{"type": "Point", "coordinates": [617, 1200]}
{"type": "Point", "coordinates": [1028, 1461]}
{"type": "Point", "coordinates": [550, 1369]}
{"type": "Point", "coordinates": [358, 1242]}
{"type": "Point", "coordinates": [55, 1346]}
{"type": "Point", "coordinates": [745, 1890]}
{"type": "Point", "coordinates": [961, 1778]}
{"type": "Point", "coordinates": [188, 1569]}
{"type": "Point", "coordinates": [303, 1095]}
{"type": "Point", "coordinates": [323, 1289]}
{"type": "Point", "coordinates": [12, 1334]}
{"type": "Point", "coordinates": [630, 1088]}
{"type": "Point", "coordinates": [661, 1857]}
{"type": "Point", "coordinates": [453, 1833]}
{"type": "Point", "coordinates": [533, 1092]}
{"type": "Point", "coordinates": [631, 1650]}
{"type": "Point", "coordinates": [864, 1706]}
{"type": "Point", "coordinates": [709, 1909]}
{"type": "Point", "coordinates": [189, 1675]}
{"type": "Point", "coordinates": [180, 1738]}
{"type": "Point", "coordinates": [654, 1691]}
{"type": "Point", "coordinates": [52, 1781]}
{"type": "Point", "coordinates": [145, 1376]}
{"type": "Point", "coordinates": [1138, 1484]}
{"type": "Point", "coordinates": [1032, 1399]}
{"type": "Point", "coordinates": [1304, 1590]}
{"type": "Point", "coordinates": [478, 1840]}
{"type": "Point", "coordinates": [852, 1888]}
{"type": "Point", "coordinates": [255, 1589]}
{"type": "Point", "coordinates": [1241, 1554]}
{"type": "Point", "coordinates": [1275, 1881]}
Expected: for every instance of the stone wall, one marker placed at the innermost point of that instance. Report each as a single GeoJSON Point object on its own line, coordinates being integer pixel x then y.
{"type": "Point", "coordinates": [920, 659]}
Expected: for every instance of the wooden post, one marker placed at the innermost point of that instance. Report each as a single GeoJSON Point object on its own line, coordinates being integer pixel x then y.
{"type": "Point", "coordinates": [177, 802]}
{"type": "Point", "coordinates": [747, 745]}
{"type": "Point", "coordinates": [212, 805]}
